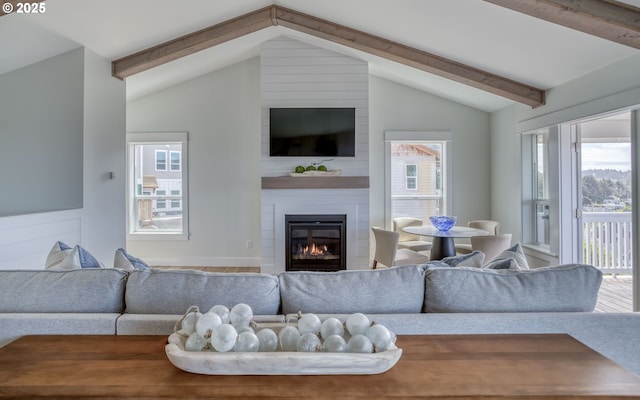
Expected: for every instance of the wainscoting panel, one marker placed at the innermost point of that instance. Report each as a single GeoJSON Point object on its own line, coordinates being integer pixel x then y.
{"type": "Point", "coordinates": [25, 240]}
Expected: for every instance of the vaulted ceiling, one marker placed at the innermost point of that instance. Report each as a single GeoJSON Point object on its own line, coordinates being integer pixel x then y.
{"type": "Point", "coordinates": [474, 52]}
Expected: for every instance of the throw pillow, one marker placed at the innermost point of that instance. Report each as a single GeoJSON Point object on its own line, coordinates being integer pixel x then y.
{"type": "Point", "coordinates": [126, 261]}
{"type": "Point", "coordinates": [511, 258]}
{"type": "Point", "coordinates": [78, 258]}
{"type": "Point", "coordinates": [58, 252]}
{"type": "Point", "coordinates": [473, 259]}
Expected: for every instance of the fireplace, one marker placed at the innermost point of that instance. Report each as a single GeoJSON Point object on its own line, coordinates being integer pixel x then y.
{"type": "Point", "coordinates": [316, 242]}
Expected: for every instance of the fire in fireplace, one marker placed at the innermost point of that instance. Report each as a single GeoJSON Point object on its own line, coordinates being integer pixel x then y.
{"type": "Point", "coordinates": [315, 242]}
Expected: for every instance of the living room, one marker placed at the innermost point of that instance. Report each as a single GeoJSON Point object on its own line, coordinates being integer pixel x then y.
{"type": "Point", "coordinates": [221, 110]}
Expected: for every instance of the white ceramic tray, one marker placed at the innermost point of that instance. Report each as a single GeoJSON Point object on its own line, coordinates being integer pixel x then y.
{"type": "Point", "coordinates": [282, 363]}
{"type": "Point", "coordinates": [335, 172]}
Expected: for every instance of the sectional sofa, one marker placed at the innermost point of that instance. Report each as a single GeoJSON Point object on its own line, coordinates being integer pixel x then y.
{"type": "Point", "coordinates": [415, 299]}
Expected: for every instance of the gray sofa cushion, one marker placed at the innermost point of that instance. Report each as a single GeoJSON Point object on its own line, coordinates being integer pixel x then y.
{"type": "Point", "coordinates": [71, 291]}
{"type": "Point", "coordinates": [388, 290]}
{"type": "Point", "coordinates": [571, 287]}
{"type": "Point", "coordinates": [157, 291]}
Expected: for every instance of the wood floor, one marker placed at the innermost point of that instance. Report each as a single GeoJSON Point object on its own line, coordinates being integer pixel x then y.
{"type": "Point", "coordinates": [615, 293]}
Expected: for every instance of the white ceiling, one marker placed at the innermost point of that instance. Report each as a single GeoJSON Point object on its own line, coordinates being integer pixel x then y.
{"type": "Point", "coordinates": [473, 32]}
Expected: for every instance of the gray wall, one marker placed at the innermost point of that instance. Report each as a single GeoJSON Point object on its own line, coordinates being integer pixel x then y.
{"type": "Point", "coordinates": [394, 107]}
{"type": "Point", "coordinates": [221, 113]}
{"type": "Point", "coordinates": [41, 129]}
{"type": "Point", "coordinates": [62, 132]}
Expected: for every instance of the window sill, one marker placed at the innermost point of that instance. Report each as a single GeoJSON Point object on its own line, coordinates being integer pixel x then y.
{"type": "Point", "coordinates": [158, 236]}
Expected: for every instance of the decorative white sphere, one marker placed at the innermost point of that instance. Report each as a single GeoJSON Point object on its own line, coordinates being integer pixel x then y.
{"type": "Point", "coordinates": [359, 344]}
{"type": "Point", "coordinates": [380, 337]}
{"type": "Point", "coordinates": [247, 341]}
{"type": "Point", "coordinates": [309, 343]}
{"type": "Point", "coordinates": [240, 315]}
{"type": "Point", "coordinates": [195, 342]}
{"type": "Point", "coordinates": [334, 344]}
{"type": "Point", "coordinates": [331, 326]}
{"type": "Point", "coordinates": [288, 338]}
{"type": "Point", "coordinates": [309, 323]}
{"type": "Point", "coordinates": [357, 324]}
{"type": "Point", "coordinates": [206, 323]}
{"type": "Point", "coordinates": [224, 337]}
{"type": "Point", "coordinates": [189, 322]}
{"type": "Point", "coordinates": [268, 340]}
{"type": "Point", "coordinates": [222, 311]}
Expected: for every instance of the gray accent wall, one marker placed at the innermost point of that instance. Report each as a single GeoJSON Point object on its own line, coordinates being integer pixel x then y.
{"type": "Point", "coordinates": [41, 136]}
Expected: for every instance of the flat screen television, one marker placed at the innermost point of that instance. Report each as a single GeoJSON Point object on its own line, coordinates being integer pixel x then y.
{"type": "Point", "coordinates": [312, 132]}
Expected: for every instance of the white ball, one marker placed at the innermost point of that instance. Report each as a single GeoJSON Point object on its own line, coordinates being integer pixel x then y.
{"type": "Point", "coordinates": [308, 343]}
{"type": "Point", "coordinates": [177, 339]}
{"type": "Point", "coordinates": [206, 323]}
{"type": "Point", "coordinates": [224, 337]}
{"type": "Point", "coordinates": [247, 341]}
{"type": "Point", "coordinates": [222, 311]}
{"type": "Point", "coordinates": [195, 342]}
{"type": "Point", "coordinates": [358, 323]}
{"type": "Point", "coordinates": [189, 322]}
{"type": "Point", "coordinates": [288, 338]}
{"type": "Point", "coordinates": [380, 337]}
{"type": "Point", "coordinates": [240, 314]}
{"type": "Point", "coordinates": [359, 344]}
{"type": "Point", "coordinates": [268, 340]}
{"type": "Point", "coordinates": [331, 326]}
{"type": "Point", "coordinates": [309, 323]}
{"type": "Point", "coordinates": [334, 344]}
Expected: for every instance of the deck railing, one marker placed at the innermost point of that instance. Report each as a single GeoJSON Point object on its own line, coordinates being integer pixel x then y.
{"type": "Point", "coordinates": [607, 241]}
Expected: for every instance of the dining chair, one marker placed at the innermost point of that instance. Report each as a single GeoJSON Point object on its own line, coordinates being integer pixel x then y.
{"type": "Point", "coordinates": [485, 225]}
{"type": "Point", "coordinates": [388, 254]}
{"type": "Point", "coordinates": [491, 245]}
{"type": "Point", "coordinates": [408, 240]}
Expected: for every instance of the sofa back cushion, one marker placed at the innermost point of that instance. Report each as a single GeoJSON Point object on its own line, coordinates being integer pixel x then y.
{"type": "Point", "coordinates": [388, 290]}
{"type": "Point", "coordinates": [570, 287]}
{"type": "Point", "coordinates": [158, 291]}
{"type": "Point", "coordinates": [99, 290]}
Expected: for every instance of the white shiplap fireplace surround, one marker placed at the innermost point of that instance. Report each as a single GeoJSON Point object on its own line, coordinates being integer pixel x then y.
{"type": "Point", "coordinates": [297, 74]}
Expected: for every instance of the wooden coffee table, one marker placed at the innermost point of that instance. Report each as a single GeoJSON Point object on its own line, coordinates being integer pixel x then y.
{"type": "Point", "coordinates": [431, 367]}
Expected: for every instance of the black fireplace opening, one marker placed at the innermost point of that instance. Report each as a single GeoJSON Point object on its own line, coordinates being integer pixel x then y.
{"type": "Point", "coordinates": [316, 242]}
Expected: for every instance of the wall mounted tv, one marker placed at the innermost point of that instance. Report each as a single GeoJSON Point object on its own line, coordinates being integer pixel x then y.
{"type": "Point", "coordinates": [312, 132]}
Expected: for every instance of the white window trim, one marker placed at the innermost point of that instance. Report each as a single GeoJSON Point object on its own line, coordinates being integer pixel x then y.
{"type": "Point", "coordinates": [160, 137]}
{"type": "Point", "coordinates": [412, 137]}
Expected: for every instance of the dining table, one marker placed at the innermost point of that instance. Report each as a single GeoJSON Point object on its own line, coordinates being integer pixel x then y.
{"type": "Point", "coordinates": [443, 244]}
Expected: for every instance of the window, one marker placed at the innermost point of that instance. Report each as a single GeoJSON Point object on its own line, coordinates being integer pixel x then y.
{"type": "Point", "coordinates": [541, 191]}
{"type": "Point", "coordinates": [161, 203]}
{"type": "Point", "coordinates": [416, 180]}
{"type": "Point", "coordinates": [411, 176]}
{"type": "Point", "coordinates": [175, 202]}
{"type": "Point", "coordinates": [161, 160]}
{"type": "Point", "coordinates": [157, 186]}
{"type": "Point", "coordinates": [540, 178]}
{"type": "Point", "coordinates": [176, 160]}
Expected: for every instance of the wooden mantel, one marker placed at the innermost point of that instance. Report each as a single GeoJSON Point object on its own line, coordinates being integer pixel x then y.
{"type": "Point", "coordinates": [316, 182]}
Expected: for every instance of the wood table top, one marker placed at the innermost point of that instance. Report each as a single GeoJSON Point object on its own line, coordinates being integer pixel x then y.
{"type": "Point", "coordinates": [550, 366]}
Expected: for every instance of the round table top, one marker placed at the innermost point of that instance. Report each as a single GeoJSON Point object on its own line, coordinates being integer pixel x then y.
{"type": "Point", "coordinates": [455, 232]}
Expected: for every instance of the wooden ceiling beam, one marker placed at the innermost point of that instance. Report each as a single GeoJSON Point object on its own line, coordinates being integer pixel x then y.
{"type": "Point", "coordinates": [192, 43]}
{"type": "Point", "coordinates": [607, 19]}
{"type": "Point", "coordinates": [276, 15]}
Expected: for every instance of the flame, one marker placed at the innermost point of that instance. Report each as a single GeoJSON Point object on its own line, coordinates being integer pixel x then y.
{"type": "Point", "coordinates": [314, 250]}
